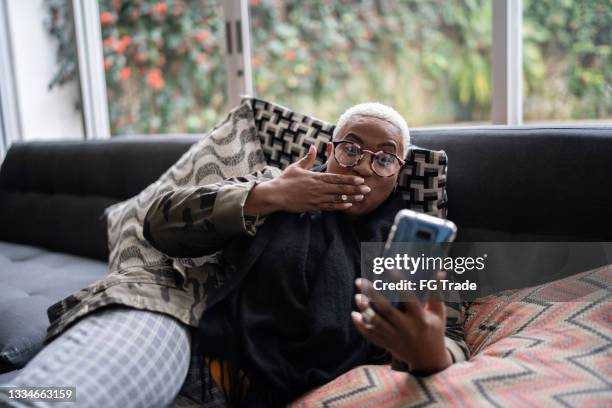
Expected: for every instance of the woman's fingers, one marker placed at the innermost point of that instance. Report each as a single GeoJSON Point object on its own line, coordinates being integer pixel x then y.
{"type": "Point", "coordinates": [412, 306]}
{"type": "Point", "coordinates": [339, 189]}
{"type": "Point", "coordinates": [436, 303]}
{"type": "Point", "coordinates": [332, 178]}
{"type": "Point", "coordinates": [308, 161]}
{"type": "Point", "coordinates": [370, 316]}
{"type": "Point", "coordinates": [340, 198]}
{"type": "Point", "coordinates": [369, 331]}
{"type": "Point", "coordinates": [381, 305]}
{"type": "Point", "coordinates": [334, 206]}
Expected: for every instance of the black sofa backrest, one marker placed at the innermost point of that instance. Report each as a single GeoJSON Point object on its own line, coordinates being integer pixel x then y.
{"type": "Point", "coordinates": [504, 184]}
{"type": "Point", "coordinates": [53, 193]}
{"type": "Point", "coordinates": [527, 183]}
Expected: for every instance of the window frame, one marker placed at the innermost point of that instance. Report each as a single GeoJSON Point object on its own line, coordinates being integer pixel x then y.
{"type": "Point", "coordinates": [88, 33]}
{"type": "Point", "coordinates": [10, 123]}
{"type": "Point", "coordinates": [507, 63]}
{"type": "Point", "coordinates": [506, 60]}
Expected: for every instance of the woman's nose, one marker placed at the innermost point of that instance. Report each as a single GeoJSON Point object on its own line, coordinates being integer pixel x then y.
{"type": "Point", "coordinates": [364, 168]}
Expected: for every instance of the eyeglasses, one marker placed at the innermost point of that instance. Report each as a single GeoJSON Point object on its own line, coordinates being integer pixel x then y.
{"type": "Point", "coordinates": [350, 154]}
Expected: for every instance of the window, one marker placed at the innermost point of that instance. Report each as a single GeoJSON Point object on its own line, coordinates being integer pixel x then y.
{"type": "Point", "coordinates": [428, 59]}
{"type": "Point", "coordinates": [160, 66]}
{"type": "Point", "coordinates": [567, 60]}
{"type": "Point", "coordinates": [164, 65]}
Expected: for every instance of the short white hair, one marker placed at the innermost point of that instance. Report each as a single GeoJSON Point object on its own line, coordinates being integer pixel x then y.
{"type": "Point", "coordinates": [377, 110]}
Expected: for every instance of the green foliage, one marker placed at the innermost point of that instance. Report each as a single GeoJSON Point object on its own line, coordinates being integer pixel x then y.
{"type": "Point", "coordinates": [571, 40]}
{"type": "Point", "coordinates": [163, 64]}
{"type": "Point", "coordinates": [428, 58]}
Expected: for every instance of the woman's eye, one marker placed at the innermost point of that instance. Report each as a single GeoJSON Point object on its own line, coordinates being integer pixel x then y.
{"type": "Point", "coordinates": [385, 160]}
{"type": "Point", "coordinates": [352, 150]}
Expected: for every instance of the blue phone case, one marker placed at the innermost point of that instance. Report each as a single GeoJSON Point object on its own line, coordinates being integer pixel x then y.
{"type": "Point", "coordinates": [413, 227]}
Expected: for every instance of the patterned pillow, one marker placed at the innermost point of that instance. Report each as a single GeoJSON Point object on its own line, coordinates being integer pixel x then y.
{"type": "Point", "coordinates": [231, 149]}
{"type": "Point", "coordinates": [531, 347]}
{"type": "Point", "coordinates": [286, 135]}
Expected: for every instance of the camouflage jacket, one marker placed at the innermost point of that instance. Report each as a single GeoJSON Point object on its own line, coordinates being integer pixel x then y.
{"type": "Point", "coordinates": [179, 287]}
{"type": "Point", "coordinates": [189, 223]}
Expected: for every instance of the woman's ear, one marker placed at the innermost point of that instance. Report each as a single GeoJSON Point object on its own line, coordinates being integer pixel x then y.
{"type": "Point", "coordinates": [328, 149]}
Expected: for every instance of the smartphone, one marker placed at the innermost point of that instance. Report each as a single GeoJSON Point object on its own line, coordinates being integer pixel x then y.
{"type": "Point", "coordinates": [415, 232]}
{"type": "Point", "coordinates": [412, 226]}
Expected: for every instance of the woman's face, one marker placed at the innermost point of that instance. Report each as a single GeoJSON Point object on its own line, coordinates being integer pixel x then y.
{"type": "Point", "coordinates": [373, 134]}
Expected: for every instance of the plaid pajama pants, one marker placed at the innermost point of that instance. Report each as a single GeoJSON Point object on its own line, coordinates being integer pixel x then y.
{"type": "Point", "coordinates": [119, 357]}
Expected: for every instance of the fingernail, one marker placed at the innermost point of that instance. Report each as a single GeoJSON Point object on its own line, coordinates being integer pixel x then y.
{"type": "Point", "coordinates": [347, 205]}
{"type": "Point", "coordinates": [359, 180]}
{"type": "Point", "coordinates": [358, 282]}
{"type": "Point", "coordinates": [358, 197]}
{"type": "Point", "coordinates": [361, 299]}
{"type": "Point", "coordinates": [365, 189]}
{"type": "Point", "coordinates": [355, 316]}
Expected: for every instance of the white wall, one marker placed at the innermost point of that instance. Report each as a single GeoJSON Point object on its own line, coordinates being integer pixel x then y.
{"type": "Point", "coordinates": [44, 114]}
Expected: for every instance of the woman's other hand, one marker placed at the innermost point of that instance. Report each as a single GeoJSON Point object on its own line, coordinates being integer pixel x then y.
{"type": "Point", "coordinates": [414, 335]}
{"type": "Point", "coordinates": [297, 189]}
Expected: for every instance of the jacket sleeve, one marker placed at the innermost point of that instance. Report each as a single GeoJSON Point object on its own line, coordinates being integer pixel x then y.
{"type": "Point", "coordinates": [196, 221]}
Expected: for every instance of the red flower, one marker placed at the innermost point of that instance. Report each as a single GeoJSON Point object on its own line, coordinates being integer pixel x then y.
{"type": "Point", "coordinates": [125, 73]}
{"type": "Point", "coordinates": [161, 8]}
{"type": "Point", "coordinates": [368, 34]}
{"type": "Point", "coordinates": [155, 79]}
{"type": "Point", "coordinates": [109, 41]}
{"type": "Point", "coordinates": [200, 58]}
{"type": "Point", "coordinates": [253, 3]}
{"type": "Point", "coordinates": [202, 35]}
{"type": "Point", "coordinates": [255, 61]}
{"type": "Point", "coordinates": [107, 64]}
{"type": "Point", "coordinates": [106, 18]}
{"type": "Point", "coordinates": [121, 45]}
{"type": "Point", "coordinates": [599, 7]}
{"type": "Point", "coordinates": [290, 55]}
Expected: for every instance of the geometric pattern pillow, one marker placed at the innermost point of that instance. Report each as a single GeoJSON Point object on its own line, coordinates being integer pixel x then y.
{"type": "Point", "coordinates": [286, 135]}
{"type": "Point", "coordinates": [549, 345]}
{"type": "Point", "coordinates": [422, 181]}
{"type": "Point", "coordinates": [231, 149]}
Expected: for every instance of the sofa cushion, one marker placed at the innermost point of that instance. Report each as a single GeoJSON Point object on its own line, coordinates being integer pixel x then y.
{"type": "Point", "coordinates": [62, 185]}
{"type": "Point", "coordinates": [32, 279]}
{"type": "Point", "coordinates": [6, 378]}
{"type": "Point", "coordinates": [543, 346]}
{"type": "Point", "coordinates": [286, 136]}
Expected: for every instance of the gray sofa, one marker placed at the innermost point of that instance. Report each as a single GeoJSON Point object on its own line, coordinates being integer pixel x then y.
{"type": "Point", "coordinates": [504, 184]}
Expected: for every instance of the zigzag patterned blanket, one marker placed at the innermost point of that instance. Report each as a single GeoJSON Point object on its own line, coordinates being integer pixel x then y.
{"type": "Point", "coordinates": [530, 347]}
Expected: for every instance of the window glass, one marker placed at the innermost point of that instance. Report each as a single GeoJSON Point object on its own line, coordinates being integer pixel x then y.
{"type": "Point", "coordinates": [430, 59]}
{"type": "Point", "coordinates": [567, 60]}
{"type": "Point", "coordinates": [164, 65]}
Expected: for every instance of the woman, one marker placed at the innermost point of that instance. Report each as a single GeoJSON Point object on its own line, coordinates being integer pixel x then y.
{"type": "Point", "coordinates": [300, 334]}
{"type": "Point", "coordinates": [286, 327]}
